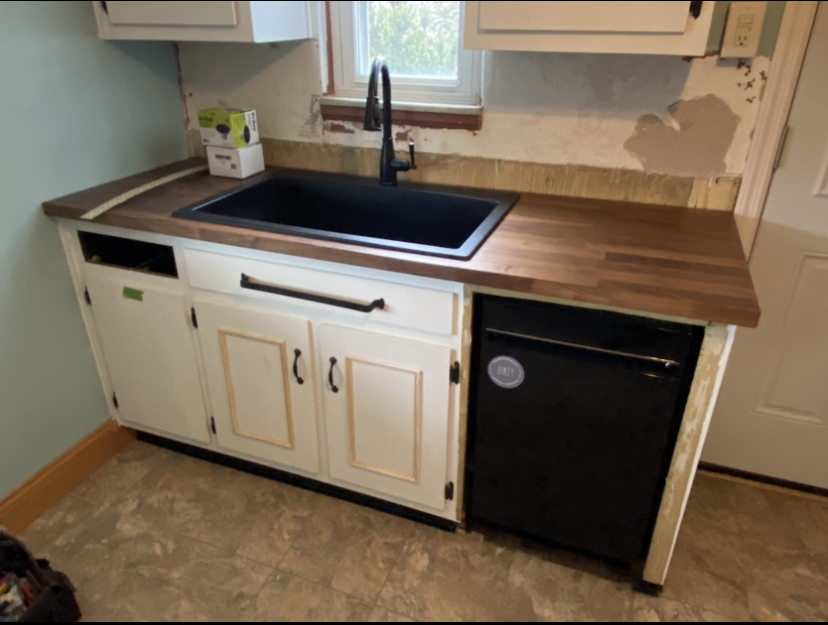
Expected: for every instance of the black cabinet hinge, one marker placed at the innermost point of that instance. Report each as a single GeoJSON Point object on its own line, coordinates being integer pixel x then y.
{"type": "Point", "coordinates": [213, 425]}
{"type": "Point", "coordinates": [696, 9]}
{"type": "Point", "coordinates": [194, 317]}
{"type": "Point", "coordinates": [450, 491]}
{"type": "Point", "coordinates": [87, 297]}
{"type": "Point", "coordinates": [115, 400]}
{"type": "Point", "coordinates": [454, 374]}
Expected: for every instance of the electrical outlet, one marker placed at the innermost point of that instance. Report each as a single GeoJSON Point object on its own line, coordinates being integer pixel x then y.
{"type": "Point", "coordinates": [743, 31]}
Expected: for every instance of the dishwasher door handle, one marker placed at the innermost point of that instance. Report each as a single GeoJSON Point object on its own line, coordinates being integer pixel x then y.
{"type": "Point", "coordinates": [669, 365]}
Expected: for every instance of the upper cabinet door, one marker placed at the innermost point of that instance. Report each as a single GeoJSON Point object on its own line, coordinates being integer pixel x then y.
{"type": "Point", "coordinates": [260, 375]}
{"type": "Point", "coordinates": [172, 13]}
{"type": "Point", "coordinates": [150, 353]}
{"type": "Point", "coordinates": [252, 22]}
{"type": "Point", "coordinates": [676, 28]}
{"type": "Point", "coordinates": [615, 17]}
{"type": "Point", "coordinates": [387, 414]}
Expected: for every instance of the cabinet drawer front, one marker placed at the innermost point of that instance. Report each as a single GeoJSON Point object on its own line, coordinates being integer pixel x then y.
{"type": "Point", "coordinates": [401, 305]}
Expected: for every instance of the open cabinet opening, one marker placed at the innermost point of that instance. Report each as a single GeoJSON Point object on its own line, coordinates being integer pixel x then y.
{"type": "Point", "coordinates": [102, 249]}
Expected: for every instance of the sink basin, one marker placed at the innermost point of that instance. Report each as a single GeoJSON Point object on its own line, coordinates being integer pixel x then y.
{"type": "Point", "coordinates": [438, 221]}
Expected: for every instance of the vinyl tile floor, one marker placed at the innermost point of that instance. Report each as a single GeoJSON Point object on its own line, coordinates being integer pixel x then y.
{"type": "Point", "coordinates": [158, 536]}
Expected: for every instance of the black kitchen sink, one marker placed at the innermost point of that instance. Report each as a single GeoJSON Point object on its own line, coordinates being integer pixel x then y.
{"type": "Point", "coordinates": [423, 219]}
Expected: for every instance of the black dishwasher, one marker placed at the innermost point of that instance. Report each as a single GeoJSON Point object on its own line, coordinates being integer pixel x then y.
{"type": "Point", "coordinates": [574, 416]}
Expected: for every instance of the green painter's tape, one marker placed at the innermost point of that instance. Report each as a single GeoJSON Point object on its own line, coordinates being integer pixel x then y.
{"type": "Point", "coordinates": [135, 294]}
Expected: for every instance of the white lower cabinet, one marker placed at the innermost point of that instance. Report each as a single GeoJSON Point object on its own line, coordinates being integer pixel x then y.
{"type": "Point", "coordinates": [387, 413]}
{"type": "Point", "coordinates": [194, 355]}
{"type": "Point", "coordinates": [150, 353]}
{"type": "Point", "coordinates": [260, 376]}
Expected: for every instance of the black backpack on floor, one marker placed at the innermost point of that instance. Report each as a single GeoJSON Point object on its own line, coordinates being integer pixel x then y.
{"type": "Point", "coordinates": [54, 600]}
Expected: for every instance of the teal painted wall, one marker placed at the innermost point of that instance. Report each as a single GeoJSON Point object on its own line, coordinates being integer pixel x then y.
{"type": "Point", "coordinates": [770, 33]}
{"type": "Point", "coordinates": [74, 112]}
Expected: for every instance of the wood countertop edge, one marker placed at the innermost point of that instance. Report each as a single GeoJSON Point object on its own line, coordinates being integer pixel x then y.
{"type": "Point", "coordinates": [394, 261]}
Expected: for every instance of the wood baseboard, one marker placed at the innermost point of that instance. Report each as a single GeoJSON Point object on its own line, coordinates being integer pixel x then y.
{"type": "Point", "coordinates": [26, 504]}
{"type": "Point", "coordinates": [762, 481]}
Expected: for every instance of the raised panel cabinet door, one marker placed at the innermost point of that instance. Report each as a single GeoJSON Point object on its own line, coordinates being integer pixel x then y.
{"type": "Point", "coordinates": [613, 17]}
{"type": "Point", "coordinates": [387, 413]}
{"type": "Point", "coordinates": [151, 357]}
{"type": "Point", "coordinates": [191, 13]}
{"type": "Point", "coordinates": [260, 378]}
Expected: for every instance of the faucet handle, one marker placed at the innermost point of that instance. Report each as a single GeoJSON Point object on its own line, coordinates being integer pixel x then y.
{"type": "Point", "coordinates": [411, 147]}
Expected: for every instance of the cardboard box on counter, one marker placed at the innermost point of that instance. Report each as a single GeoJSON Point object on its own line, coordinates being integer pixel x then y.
{"type": "Point", "coordinates": [241, 163]}
{"type": "Point", "coordinates": [228, 128]}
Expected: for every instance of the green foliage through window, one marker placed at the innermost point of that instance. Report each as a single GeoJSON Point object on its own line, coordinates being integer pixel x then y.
{"type": "Point", "coordinates": [417, 38]}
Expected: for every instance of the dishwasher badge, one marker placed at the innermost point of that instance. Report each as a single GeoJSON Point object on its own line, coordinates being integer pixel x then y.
{"type": "Point", "coordinates": [506, 372]}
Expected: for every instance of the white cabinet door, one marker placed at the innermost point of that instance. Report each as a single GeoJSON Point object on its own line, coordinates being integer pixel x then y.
{"type": "Point", "coordinates": [387, 413]}
{"type": "Point", "coordinates": [617, 17]}
{"type": "Point", "coordinates": [251, 22]}
{"type": "Point", "coordinates": [190, 13]}
{"type": "Point", "coordinates": [150, 353]}
{"type": "Point", "coordinates": [590, 27]}
{"type": "Point", "coordinates": [260, 376]}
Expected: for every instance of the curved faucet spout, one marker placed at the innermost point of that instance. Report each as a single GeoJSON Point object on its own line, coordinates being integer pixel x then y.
{"type": "Point", "coordinates": [389, 163]}
{"type": "Point", "coordinates": [372, 114]}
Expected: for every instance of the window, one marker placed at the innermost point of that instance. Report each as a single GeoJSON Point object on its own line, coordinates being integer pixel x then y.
{"type": "Point", "coordinates": [422, 42]}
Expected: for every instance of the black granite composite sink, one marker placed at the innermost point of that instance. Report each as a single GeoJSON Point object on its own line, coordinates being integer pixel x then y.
{"type": "Point", "coordinates": [423, 219]}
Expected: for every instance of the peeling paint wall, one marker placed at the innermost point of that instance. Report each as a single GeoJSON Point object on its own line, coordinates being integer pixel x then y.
{"type": "Point", "coordinates": [653, 113]}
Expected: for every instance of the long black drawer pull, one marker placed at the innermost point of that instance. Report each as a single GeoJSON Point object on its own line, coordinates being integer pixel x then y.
{"type": "Point", "coordinates": [297, 353]}
{"type": "Point", "coordinates": [334, 387]}
{"type": "Point", "coordinates": [668, 364]}
{"type": "Point", "coordinates": [254, 285]}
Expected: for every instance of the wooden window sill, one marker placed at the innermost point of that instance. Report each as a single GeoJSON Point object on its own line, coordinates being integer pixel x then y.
{"type": "Point", "coordinates": [407, 114]}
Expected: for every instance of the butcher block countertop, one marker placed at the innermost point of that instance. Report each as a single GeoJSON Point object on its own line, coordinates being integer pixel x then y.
{"type": "Point", "coordinates": [667, 261]}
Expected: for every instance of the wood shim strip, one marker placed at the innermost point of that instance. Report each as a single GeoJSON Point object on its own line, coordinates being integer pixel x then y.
{"type": "Point", "coordinates": [718, 341]}
{"type": "Point", "coordinates": [125, 197]}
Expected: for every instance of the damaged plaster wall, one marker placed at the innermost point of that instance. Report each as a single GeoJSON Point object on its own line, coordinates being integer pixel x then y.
{"type": "Point", "coordinates": [654, 113]}
{"type": "Point", "coordinates": [699, 138]}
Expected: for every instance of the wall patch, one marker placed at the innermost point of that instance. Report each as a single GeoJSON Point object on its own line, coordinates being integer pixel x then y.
{"type": "Point", "coordinates": [696, 145]}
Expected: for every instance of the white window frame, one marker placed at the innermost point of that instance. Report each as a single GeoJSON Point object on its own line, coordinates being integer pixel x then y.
{"type": "Point", "coordinates": [349, 83]}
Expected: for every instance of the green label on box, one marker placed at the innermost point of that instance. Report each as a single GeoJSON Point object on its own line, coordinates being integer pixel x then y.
{"type": "Point", "coordinates": [135, 294]}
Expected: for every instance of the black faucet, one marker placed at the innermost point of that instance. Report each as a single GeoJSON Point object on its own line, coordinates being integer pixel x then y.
{"type": "Point", "coordinates": [389, 163]}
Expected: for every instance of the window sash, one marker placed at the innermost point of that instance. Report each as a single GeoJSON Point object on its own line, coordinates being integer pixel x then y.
{"type": "Point", "coordinates": [348, 16]}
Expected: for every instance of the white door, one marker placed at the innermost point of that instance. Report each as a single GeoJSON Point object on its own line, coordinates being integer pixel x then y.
{"type": "Point", "coordinates": [387, 413]}
{"type": "Point", "coordinates": [260, 369]}
{"type": "Point", "coordinates": [772, 414]}
{"type": "Point", "coordinates": [190, 13]}
{"type": "Point", "coordinates": [150, 353]}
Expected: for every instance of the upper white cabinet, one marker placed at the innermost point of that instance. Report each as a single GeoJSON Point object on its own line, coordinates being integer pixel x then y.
{"type": "Point", "coordinates": [253, 22]}
{"type": "Point", "coordinates": [678, 28]}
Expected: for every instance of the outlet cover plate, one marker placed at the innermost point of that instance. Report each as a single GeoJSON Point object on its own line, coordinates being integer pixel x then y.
{"type": "Point", "coordinates": [743, 32]}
